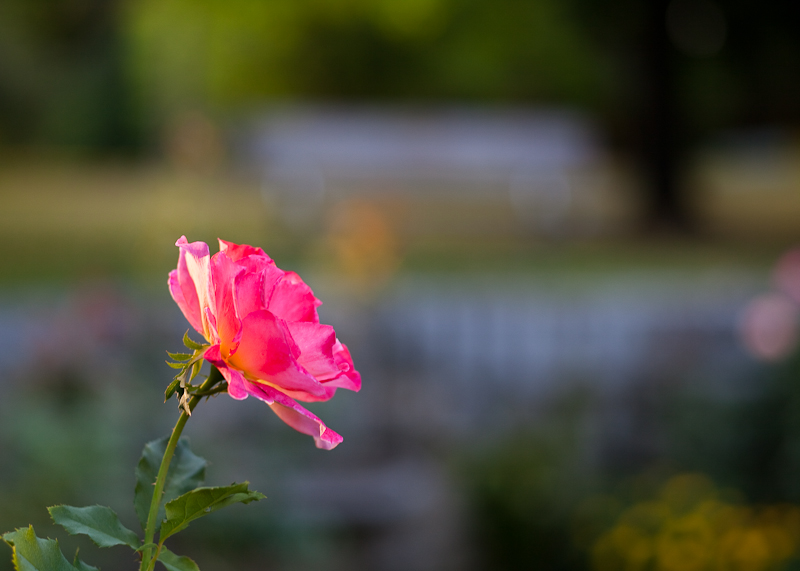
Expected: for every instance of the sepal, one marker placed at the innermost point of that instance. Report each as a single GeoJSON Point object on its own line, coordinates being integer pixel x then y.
{"type": "Point", "coordinates": [189, 366]}
{"type": "Point", "coordinates": [193, 345]}
{"type": "Point", "coordinates": [180, 356]}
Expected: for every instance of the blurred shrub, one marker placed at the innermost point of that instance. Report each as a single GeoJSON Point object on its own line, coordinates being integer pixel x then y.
{"type": "Point", "coordinates": [106, 74]}
{"type": "Point", "coordinates": [217, 55]}
{"type": "Point", "coordinates": [743, 432]}
{"type": "Point", "coordinates": [525, 490]}
{"type": "Point", "coordinates": [691, 526]}
{"type": "Point", "coordinates": [62, 78]}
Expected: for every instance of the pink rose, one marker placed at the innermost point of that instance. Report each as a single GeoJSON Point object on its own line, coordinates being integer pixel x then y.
{"type": "Point", "coordinates": [264, 331]}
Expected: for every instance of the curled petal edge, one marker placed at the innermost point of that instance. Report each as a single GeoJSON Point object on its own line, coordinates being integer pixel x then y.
{"type": "Point", "coordinates": [194, 277]}
{"type": "Point", "coordinates": [349, 377]}
{"type": "Point", "coordinates": [238, 251]}
{"type": "Point", "coordinates": [296, 416]}
{"type": "Point", "coordinates": [284, 407]}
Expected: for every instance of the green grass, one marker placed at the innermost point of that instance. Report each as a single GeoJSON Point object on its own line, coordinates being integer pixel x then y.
{"type": "Point", "coordinates": [67, 222]}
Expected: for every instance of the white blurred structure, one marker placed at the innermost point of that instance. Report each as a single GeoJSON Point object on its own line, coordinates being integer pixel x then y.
{"type": "Point", "coordinates": [527, 156]}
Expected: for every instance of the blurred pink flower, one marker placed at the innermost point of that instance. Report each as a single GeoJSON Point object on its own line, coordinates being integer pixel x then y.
{"type": "Point", "coordinates": [768, 326]}
{"type": "Point", "coordinates": [265, 334]}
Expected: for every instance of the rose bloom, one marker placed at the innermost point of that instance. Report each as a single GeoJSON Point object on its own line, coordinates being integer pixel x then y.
{"type": "Point", "coordinates": [264, 331]}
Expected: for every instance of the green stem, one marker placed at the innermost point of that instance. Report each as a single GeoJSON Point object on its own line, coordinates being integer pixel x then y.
{"type": "Point", "coordinates": [216, 390]}
{"type": "Point", "coordinates": [152, 565]}
{"type": "Point", "coordinates": [152, 518]}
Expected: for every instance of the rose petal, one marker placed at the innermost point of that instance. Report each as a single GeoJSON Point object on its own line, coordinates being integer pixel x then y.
{"type": "Point", "coordinates": [211, 322]}
{"type": "Point", "coordinates": [316, 342]}
{"type": "Point", "coordinates": [194, 277]}
{"type": "Point", "coordinates": [256, 263]}
{"type": "Point", "coordinates": [258, 280]}
{"type": "Point", "coordinates": [190, 312]}
{"type": "Point", "coordinates": [188, 287]}
{"type": "Point", "coordinates": [350, 378]}
{"type": "Point", "coordinates": [249, 293]}
{"type": "Point", "coordinates": [296, 416]}
{"type": "Point", "coordinates": [266, 351]}
{"type": "Point", "coordinates": [229, 327]}
{"type": "Point", "coordinates": [237, 251]}
{"type": "Point", "coordinates": [236, 381]}
{"type": "Point", "coordinates": [250, 286]}
{"type": "Point", "coordinates": [328, 391]}
{"type": "Point", "coordinates": [293, 300]}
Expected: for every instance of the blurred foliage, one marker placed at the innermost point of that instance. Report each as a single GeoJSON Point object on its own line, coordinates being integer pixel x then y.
{"type": "Point", "coordinates": [111, 74]}
{"type": "Point", "coordinates": [217, 54]}
{"type": "Point", "coordinates": [62, 79]}
{"type": "Point", "coordinates": [525, 490]}
{"type": "Point", "coordinates": [568, 493]}
{"type": "Point", "coordinates": [95, 73]}
{"type": "Point", "coordinates": [748, 441]}
{"type": "Point", "coordinates": [692, 526]}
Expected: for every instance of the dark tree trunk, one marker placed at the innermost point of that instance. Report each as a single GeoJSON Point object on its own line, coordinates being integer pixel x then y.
{"type": "Point", "coordinates": [660, 121]}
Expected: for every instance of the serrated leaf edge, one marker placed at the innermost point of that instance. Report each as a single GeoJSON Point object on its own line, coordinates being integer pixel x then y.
{"type": "Point", "coordinates": [16, 556]}
{"type": "Point", "coordinates": [100, 531]}
{"type": "Point", "coordinates": [254, 497]}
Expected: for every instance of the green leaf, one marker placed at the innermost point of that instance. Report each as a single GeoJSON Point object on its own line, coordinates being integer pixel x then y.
{"type": "Point", "coordinates": [172, 388]}
{"type": "Point", "coordinates": [100, 523]}
{"type": "Point", "coordinates": [32, 553]}
{"type": "Point", "coordinates": [176, 365]}
{"type": "Point", "coordinates": [202, 501]}
{"type": "Point", "coordinates": [80, 565]}
{"type": "Point", "coordinates": [186, 472]}
{"type": "Point", "coordinates": [180, 356]}
{"type": "Point", "coordinates": [191, 344]}
{"type": "Point", "coordinates": [176, 562]}
{"type": "Point", "coordinates": [196, 368]}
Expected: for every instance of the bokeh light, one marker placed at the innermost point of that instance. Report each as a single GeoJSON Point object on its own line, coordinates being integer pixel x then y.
{"type": "Point", "coordinates": [769, 326]}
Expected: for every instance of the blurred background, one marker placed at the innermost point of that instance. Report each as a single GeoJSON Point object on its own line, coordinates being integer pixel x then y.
{"type": "Point", "coordinates": [556, 235]}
